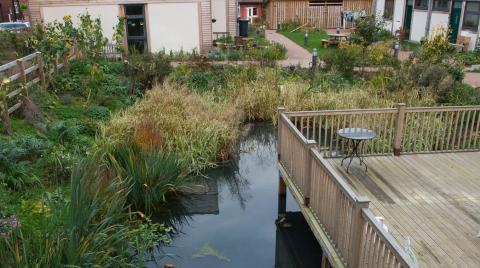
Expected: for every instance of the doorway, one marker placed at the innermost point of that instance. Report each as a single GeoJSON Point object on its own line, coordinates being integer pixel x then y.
{"type": "Point", "coordinates": [136, 28]}
{"type": "Point", "coordinates": [407, 22]}
{"type": "Point", "coordinates": [455, 20]}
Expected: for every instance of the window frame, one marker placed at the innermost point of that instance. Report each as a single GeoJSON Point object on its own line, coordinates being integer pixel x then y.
{"type": "Point", "coordinates": [471, 13]}
{"type": "Point", "coordinates": [446, 9]}
{"type": "Point", "coordinates": [392, 9]}
{"type": "Point", "coordinates": [415, 6]}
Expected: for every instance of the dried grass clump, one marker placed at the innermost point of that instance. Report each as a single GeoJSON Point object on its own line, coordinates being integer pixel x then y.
{"type": "Point", "coordinates": [199, 128]}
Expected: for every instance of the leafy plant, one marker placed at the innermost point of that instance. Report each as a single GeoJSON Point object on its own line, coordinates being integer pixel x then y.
{"type": "Point", "coordinates": [149, 174]}
{"type": "Point", "coordinates": [435, 47]}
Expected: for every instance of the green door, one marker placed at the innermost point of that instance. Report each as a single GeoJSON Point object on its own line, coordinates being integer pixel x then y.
{"type": "Point", "coordinates": [455, 20]}
{"type": "Point", "coordinates": [408, 18]}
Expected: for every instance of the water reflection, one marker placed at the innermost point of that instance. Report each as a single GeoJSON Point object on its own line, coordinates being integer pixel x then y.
{"type": "Point", "coordinates": [233, 223]}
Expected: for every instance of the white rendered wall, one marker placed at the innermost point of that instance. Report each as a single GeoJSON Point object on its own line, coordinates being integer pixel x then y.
{"type": "Point", "coordinates": [108, 15]}
{"type": "Point", "coordinates": [419, 21]}
{"type": "Point", "coordinates": [219, 12]}
{"type": "Point", "coordinates": [439, 20]}
{"type": "Point", "coordinates": [173, 27]}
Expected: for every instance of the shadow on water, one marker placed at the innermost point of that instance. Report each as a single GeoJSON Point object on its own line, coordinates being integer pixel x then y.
{"type": "Point", "coordinates": [231, 221]}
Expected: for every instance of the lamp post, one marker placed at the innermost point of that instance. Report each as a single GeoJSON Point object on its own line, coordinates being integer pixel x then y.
{"type": "Point", "coordinates": [305, 39]}
{"type": "Point", "coordinates": [396, 46]}
{"type": "Point", "coordinates": [314, 58]}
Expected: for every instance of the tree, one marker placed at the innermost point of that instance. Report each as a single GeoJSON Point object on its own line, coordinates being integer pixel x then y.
{"type": "Point", "coordinates": [368, 30]}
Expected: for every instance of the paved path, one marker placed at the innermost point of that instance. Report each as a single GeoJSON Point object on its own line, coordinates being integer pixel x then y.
{"type": "Point", "coordinates": [472, 79]}
{"type": "Point", "coordinates": [296, 55]}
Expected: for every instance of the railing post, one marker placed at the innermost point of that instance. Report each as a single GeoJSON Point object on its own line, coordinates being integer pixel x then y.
{"type": "Point", "coordinates": [41, 74]}
{"type": "Point", "coordinates": [399, 129]}
{"type": "Point", "coordinates": [308, 170]}
{"type": "Point", "coordinates": [358, 226]}
{"type": "Point", "coordinates": [21, 69]}
{"type": "Point", "coordinates": [280, 111]}
{"type": "Point", "coordinates": [65, 62]}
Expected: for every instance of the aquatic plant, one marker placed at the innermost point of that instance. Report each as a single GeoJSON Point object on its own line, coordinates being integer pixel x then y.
{"type": "Point", "coordinates": [207, 250]}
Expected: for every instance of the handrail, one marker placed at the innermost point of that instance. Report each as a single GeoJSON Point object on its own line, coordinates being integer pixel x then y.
{"type": "Point", "coordinates": [399, 130]}
{"type": "Point", "coordinates": [404, 259]}
{"type": "Point", "coordinates": [343, 214]}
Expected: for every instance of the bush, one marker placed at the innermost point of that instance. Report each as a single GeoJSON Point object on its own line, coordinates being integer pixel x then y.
{"type": "Point", "coordinates": [197, 128]}
{"type": "Point", "coordinates": [98, 112]}
{"type": "Point", "coordinates": [436, 46]}
{"type": "Point", "coordinates": [429, 77]}
{"type": "Point", "coordinates": [17, 156]}
{"type": "Point", "coordinates": [93, 228]}
{"type": "Point", "coordinates": [145, 70]}
{"type": "Point", "coordinates": [463, 94]}
{"type": "Point", "coordinates": [343, 60]}
{"type": "Point", "coordinates": [149, 174]}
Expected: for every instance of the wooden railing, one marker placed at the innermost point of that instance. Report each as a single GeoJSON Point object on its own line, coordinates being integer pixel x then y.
{"type": "Point", "coordinates": [344, 216]}
{"type": "Point", "coordinates": [399, 130]}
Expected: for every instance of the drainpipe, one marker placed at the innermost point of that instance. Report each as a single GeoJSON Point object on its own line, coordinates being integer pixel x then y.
{"type": "Point", "coordinates": [429, 18]}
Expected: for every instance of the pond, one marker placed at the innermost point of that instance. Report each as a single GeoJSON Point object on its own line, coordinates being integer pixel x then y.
{"type": "Point", "coordinates": [234, 223]}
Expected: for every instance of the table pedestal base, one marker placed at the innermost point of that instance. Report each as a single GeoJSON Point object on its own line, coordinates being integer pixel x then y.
{"type": "Point", "coordinates": [354, 153]}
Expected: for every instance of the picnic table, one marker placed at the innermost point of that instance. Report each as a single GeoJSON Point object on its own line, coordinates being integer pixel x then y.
{"type": "Point", "coordinates": [335, 39]}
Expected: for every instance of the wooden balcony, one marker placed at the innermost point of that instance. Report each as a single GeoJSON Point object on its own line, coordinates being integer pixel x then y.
{"type": "Point", "coordinates": [432, 198]}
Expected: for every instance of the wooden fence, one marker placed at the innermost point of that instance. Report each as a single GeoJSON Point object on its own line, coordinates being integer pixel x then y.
{"type": "Point", "coordinates": [399, 130]}
{"type": "Point", "coordinates": [352, 228]}
{"type": "Point", "coordinates": [30, 70]}
{"type": "Point", "coordinates": [322, 17]}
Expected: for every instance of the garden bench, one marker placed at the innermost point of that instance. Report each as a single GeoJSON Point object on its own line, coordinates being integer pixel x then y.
{"type": "Point", "coordinates": [325, 43]}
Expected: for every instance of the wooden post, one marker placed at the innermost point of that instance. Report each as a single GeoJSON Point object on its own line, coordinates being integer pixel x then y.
{"type": "Point", "coordinates": [41, 71]}
{"type": "Point", "coordinates": [6, 118]}
{"type": "Point", "coordinates": [21, 69]}
{"type": "Point", "coordinates": [280, 111]}
{"type": "Point", "coordinates": [282, 197]}
{"type": "Point", "coordinates": [399, 129]}
{"type": "Point", "coordinates": [65, 62]}
{"type": "Point", "coordinates": [308, 168]}
{"type": "Point", "coordinates": [358, 226]}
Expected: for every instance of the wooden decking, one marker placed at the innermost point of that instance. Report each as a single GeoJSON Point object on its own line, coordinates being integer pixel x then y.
{"type": "Point", "coordinates": [432, 198]}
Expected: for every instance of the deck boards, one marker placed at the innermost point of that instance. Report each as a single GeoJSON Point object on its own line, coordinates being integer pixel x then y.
{"type": "Point", "coordinates": [432, 198]}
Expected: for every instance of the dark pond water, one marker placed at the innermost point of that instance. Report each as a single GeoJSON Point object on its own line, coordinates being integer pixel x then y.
{"type": "Point", "coordinates": [234, 224]}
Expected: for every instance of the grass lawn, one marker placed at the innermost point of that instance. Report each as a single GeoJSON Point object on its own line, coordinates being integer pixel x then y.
{"type": "Point", "coordinates": [315, 40]}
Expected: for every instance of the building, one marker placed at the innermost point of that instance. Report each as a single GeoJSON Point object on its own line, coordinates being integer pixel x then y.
{"type": "Point", "coordinates": [322, 14]}
{"type": "Point", "coordinates": [10, 10]}
{"type": "Point", "coordinates": [251, 10]}
{"type": "Point", "coordinates": [420, 18]}
{"type": "Point", "coordinates": [152, 25]}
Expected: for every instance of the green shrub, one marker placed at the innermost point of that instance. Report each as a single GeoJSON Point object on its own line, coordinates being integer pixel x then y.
{"type": "Point", "coordinates": [17, 156]}
{"type": "Point", "coordinates": [98, 112]}
{"type": "Point", "coordinates": [468, 58]}
{"type": "Point", "coordinates": [93, 227]}
{"type": "Point", "coordinates": [145, 70]}
{"type": "Point", "coordinates": [148, 174]}
{"type": "Point", "coordinates": [463, 94]}
{"type": "Point", "coordinates": [342, 60]}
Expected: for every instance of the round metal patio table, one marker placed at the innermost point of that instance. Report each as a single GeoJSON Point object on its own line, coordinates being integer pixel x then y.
{"type": "Point", "coordinates": [356, 136]}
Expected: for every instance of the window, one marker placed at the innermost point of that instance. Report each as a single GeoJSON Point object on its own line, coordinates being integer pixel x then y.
{"type": "Point", "coordinates": [388, 12]}
{"type": "Point", "coordinates": [136, 31]}
{"type": "Point", "coordinates": [421, 4]}
{"type": "Point", "coordinates": [441, 5]}
{"type": "Point", "coordinates": [254, 11]}
{"type": "Point", "coordinates": [471, 16]}
{"type": "Point", "coordinates": [320, 3]}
